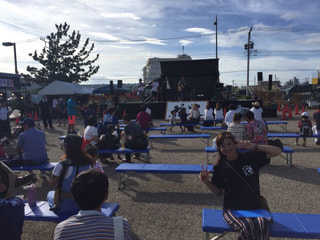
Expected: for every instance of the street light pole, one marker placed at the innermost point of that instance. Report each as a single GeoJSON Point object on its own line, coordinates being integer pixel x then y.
{"type": "Point", "coordinates": [9, 44]}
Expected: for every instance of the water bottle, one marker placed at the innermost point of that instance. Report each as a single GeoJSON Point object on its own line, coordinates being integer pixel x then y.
{"type": "Point", "coordinates": [31, 194]}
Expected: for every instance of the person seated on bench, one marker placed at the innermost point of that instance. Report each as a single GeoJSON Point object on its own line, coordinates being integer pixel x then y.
{"type": "Point", "coordinates": [75, 161]}
{"type": "Point", "coordinates": [90, 189]}
{"type": "Point", "coordinates": [134, 137]}
{"type": "Point", "coordinates": [236, 175]}
{"type": "Point", "coordinates": [31, 146]}
{"type": "Point", "coordinates": [11, 208]}
{"type": "Point", "coordinates": [256, 130]}
{"type": "Point", "coordinates": [144, 118]}
{"type": "Point", "coordinates": [109, 140]}
{"type": "Point", "coordinates": [238, 130]}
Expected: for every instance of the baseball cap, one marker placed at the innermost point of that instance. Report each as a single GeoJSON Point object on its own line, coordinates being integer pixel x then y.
{"type": "Point", "coordinates": [28, 121]}
{"type": "Point", "coordinates": [305, 114]}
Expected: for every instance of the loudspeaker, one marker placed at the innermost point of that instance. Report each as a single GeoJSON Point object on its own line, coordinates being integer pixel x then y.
{"type": "Point", "coordinates": [111, 86]}
{"type": "Point", "coordinates": [270, 82]}
{"type": "Point", "coordinates": [119, 84]}
{"type": "Point", "coordinates": [260, 76]}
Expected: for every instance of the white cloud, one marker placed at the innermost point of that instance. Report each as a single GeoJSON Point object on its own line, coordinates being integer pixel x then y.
{"type": "Point", "coordinates": [120, 15]}
{"type": "Point", "coordinates": [290, 16]}
{"type": "Point", "coordinates": [185, 42]}
{"type": "Point", "coordinates": [199, 30]}
{"type": "Point", "coordinates": [104, 36]}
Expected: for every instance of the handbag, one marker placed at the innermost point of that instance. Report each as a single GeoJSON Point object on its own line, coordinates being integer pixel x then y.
{"type": "Point", "coordinates": [262, 199]}
{"type": "Point", "coordinates": [275, 142]}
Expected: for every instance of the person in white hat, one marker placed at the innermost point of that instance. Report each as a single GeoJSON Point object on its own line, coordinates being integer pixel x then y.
{"type": "Point", "coordinates": [257, 111]}
{"type": "Point", "coordinates": [304, 128]}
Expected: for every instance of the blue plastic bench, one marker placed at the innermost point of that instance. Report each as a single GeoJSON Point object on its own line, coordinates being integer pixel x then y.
{"type": "Point", "coordinates": [287, 150]}
{"type": "Point", "coordinates": [213, 128]}
{"type": "Point", "coordinates": [174, 136]}
{"type": "Point", "coordinates": [289, 135]}
{"type": "Point", "coordinates": [41, 212]}
{"type": "Point", "coordinates": [285, 225]}
{"type": "Point", "coordinates": [124, 168]}
{"type": "Point", "coordinates": [127, 150]}
{"type": "Point", "coordinates": [161, 129]}
{"type": "Point", "coordinates": [179, 124]}
{"type": "Point", "coordinates": [47, 166]}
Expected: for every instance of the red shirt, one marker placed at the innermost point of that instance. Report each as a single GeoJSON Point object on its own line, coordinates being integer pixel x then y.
{"type": "Point", "coordinates": [144, 119]}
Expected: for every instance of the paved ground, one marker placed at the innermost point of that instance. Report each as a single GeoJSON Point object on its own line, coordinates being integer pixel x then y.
{"type": "Point", "coordinates": [169, 206]}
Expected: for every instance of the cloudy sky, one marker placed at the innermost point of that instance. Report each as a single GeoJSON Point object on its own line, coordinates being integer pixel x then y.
{"type": "Point", "coordinates": [286, 34]}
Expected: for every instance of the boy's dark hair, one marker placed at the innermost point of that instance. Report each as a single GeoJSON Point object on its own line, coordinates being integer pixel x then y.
{"type": "Point", "coordinates": [89, 189]}
{"type": "Point", "coordinates": [127, 117]}
{"type": "Point", "coordinates": [92, 120]}
{"type": "Point", "coordinates": [250, 115]}
{"type": "Point", "coordinates": [91, 150]}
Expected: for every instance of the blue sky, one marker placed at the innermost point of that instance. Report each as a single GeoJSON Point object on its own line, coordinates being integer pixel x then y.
{"type": "Point", "coordinates": [126, 33]}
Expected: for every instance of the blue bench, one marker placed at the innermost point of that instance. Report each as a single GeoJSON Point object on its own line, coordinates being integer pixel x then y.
{"type": "Point", "coordinates": [126, 150]}
{"type": "Point", "coordinates": [47, 166]}
{"type": "Point", "coordinates": [42, 212]}
{"type": "Point", "coordinates": [174, 136]}
{"type": "Point", "coordinates": [124, 168]}
{"type": "Point", "coordinates": [179, 124]}
{"type": "Point", "coordinates": [285, 225]}
{"type": "Point", "coordinates": [287, 150]}
{"type": "Point", "coordinates": [213, 128]}
{"type": "Point", "coordinates": [161, 129]}
{"type": "Point", "coordinates": [289, 135]}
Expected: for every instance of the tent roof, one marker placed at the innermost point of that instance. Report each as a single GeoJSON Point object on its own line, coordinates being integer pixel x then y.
{"type": "Point", "coordinates": [106, 89]}
{"type": "Point", "coordinates": [65, 88]}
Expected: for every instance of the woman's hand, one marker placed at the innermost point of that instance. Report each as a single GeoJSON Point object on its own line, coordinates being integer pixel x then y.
{"type": "Point", "coordinates": [204, 174]}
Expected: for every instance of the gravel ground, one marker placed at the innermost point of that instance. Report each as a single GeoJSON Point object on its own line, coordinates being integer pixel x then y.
{"type": "Point", "coordinates": [160, 206]}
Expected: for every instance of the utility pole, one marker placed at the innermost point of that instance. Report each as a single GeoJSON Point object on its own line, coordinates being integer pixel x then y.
{"type": "Point", "coordinates": [248, 46]}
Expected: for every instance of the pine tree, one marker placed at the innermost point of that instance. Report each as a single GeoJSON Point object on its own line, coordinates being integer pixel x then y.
{"type": "Point", "coordinates": [62, 60]}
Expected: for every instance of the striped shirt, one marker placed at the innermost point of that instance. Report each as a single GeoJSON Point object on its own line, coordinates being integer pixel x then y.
{"type": "Point", "coordinates": [89, 224]}
{"type": "Point", "coordinates": [239, 131]}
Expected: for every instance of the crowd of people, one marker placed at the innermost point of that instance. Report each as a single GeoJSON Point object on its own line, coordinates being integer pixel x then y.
{"type": "Point", "coordinates": [79, 183]}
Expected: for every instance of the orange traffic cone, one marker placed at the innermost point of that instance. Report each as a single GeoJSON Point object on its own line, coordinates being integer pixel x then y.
{"type": "Point", "coordinates": [296, 111]}
{"type": "Point", "coordinates": [224, 112]}
{"type": "Point", "coordinates": [284, 117]}
{"type": "Point", "coordinates": [279, 107]}
{"type": "Point", "coordinates": [290, 113]}
{"type": "Point", "coordinates": [302, 108]}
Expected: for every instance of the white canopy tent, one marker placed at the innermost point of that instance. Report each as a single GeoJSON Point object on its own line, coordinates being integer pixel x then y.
{"type": "Point", "coordinates": [65, 88]}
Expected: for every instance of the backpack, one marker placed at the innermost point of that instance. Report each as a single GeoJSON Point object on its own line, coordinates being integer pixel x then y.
{"type": "Point", "coordinates": [305, 129]}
